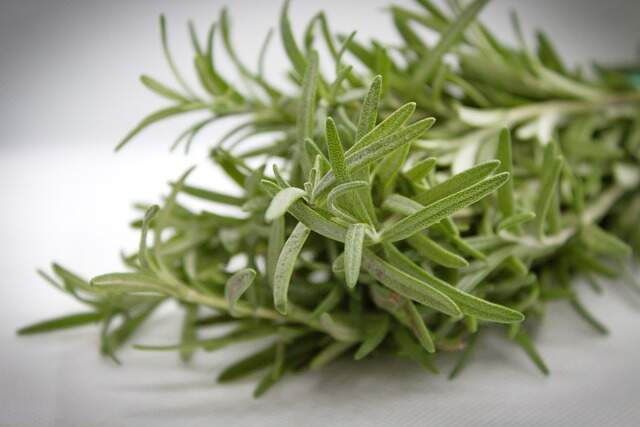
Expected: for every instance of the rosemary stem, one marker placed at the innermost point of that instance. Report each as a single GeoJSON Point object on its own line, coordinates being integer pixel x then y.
{"type": "Point", "coordinates": [538, 248]}
{"type": "Point", "coordinates": [295, 313]}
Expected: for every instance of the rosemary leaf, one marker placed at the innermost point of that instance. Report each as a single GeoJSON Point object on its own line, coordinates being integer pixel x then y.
{"type": "Point", "coordinates": [353, 244]}
{"type": "Point", "coordinates": [237, 285]}
{"type": "Point", "coordinates": [285, 265]}
{"type": "Point", "coordinates": [441, 209]}
{"type": "Point", "coordinates": [63, 322]}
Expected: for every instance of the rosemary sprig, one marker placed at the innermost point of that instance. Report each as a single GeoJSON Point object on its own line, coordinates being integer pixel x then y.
{"type": "Point", "coordinates": [380, 233]}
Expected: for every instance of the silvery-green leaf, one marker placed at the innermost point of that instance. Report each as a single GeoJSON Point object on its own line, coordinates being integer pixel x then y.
{"type": "Point", "coordinates": [467, 303]}
{"type": "Point", "coordinates": [369, 109]}
{"type": "Point", "coordinates": [421, 169]}
{"type": "Point", "coordinates": [419, 328]}
{"type": "Point", "coordinates": [457, 182]}
{"type": "Point", "coordinates": [602, 242]}
{"type": "Point", "coordinates": [435, 252]}
{"type": "Point", "coordinates": [237, 285]}
{"type": "Point", "coordinates": [522, 339]}
{"type": "Point", "coordinates": [161, 89]}
{"type": "Point", "coordinates": [282, 201]}
{"type": "Point", "coordinates": [305, 122]}
{"type": "Point", "coordinates": [516, 220]}
{"type": "Point", "coordinates": [376, 151]}
{"type": "Point", "coordinates": [329, 354]}
{"type": "Point", "coordinates": [129, 282]}
{"type": "Point", "coordinates": [336, 151]}
{"type": "Point", "coordinates": [338, 330]}
{"type": "Point", "coordinates": [441, 209]}
{"type": "Point", "coordinates": [386, 127]}
{"type": "Point", "coordinates": [286, 263]}
{"type": "Point", "coordinates": [288, 40]}
{"type": "Point", "coordinates": [274, 247]}
{"type": "Point", "coordinates": [505, 193]}
{"type": "Point", "coordinates": [448, 38]}
{"type": "Point", "coordinates": [64, 322]}
{"type": "Point", "coordinates": [353, 244]}
{"type": "Point", "coordinates": [551, 173]}
{"type": "Point", "coordinates": [142, 250]}
{"type": "Point", "coordinates": [406, 285]}
{"type": "Point", "coordinates": [158, 116]}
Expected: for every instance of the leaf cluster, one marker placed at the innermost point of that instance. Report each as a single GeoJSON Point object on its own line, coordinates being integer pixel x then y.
{"type": "Point", "coordinates": [381, 233]}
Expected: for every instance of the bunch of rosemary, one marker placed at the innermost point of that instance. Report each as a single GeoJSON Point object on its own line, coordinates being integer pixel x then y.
{"type": "Point", "coordinates": [360, 228]}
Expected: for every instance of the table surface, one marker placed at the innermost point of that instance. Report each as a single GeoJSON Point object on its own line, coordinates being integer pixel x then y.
{"type": "Point", "coordinates": [68, 92]}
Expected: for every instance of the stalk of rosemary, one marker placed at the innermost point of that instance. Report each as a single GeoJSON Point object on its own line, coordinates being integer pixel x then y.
{"type": "Point", "coordinates": [363, 228]}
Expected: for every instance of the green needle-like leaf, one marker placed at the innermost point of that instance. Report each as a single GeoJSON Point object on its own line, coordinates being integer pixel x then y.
{"type": "Point", "coordinates": [421, 169]}
{"type": "Point", "coordinates": [169, 58]}
{"type": "Point", "coordinates": [458, 182]}
{"type": "Point", "coordinates": [158, 116]}
{"type": "Point", "coordinates": [162, 90]}
{"type": "Point", "coordinates": [142, 251]}
{"type": "Point", "coordinates": [342, 190]}
{"type": "Point", "coordinates": [189, 332]}
{"type": "Point", "coordinates": [376, 151]}
{"type": "Point", "coordinates": [374, 333]}
{"type": "Point", "coordinates": [467, 303]}
{"type": "Point", "coordinates": [435, 252]}
{"type": "Point", "coordinates": [419, 328]}
{"type": "Point", "coordinates": [63, 322]}
{"type": "Point", "coordinates": [212, 196]}
{"type": "Point", "coordinates": [369, 109]}
{"type": "Point", "coordinates": [237, 285]}
{"type": "Point", "coordinates": [427, 66]}
{"type": "Point", "coordinates": [274, 246]}
{"type": "Point", "coordinates": [604, 243]}
{"type": "Point", "coordinates": [338, 330]}
{"type": "Point", "coordinates": [128, 282]}
{"type": "Point", "coordinates": [550, 178]}
{"type": "Point", "coordinates": [441, 209]}
{"type": "Point", "coordinates": [285, 265]}
{"type": "Point", "coordinates": [525, 343]}
{"type": "Point", "coordinates": [386, 127]}
{"type": "Point", "coordinates": [288, 40]}
{"type": "Point", "coordinates": [336, 151]}
{"type": "Point", "coordinates": [353, 244]}
{"type": "Point", "coordinates": [515, 220]}
{"type": "Point", "coordinates": [505, 193]}
{"type": "Point", "coordinates": [329, 354]}
{"type": "Point", "coordinates": [305, 122]}
{"type": "Point", "coordinates": [408, 286]}
{"type": "Point", "coordinates": [248, 365]}
{"type": "Point", "coordinates": [588, 317]}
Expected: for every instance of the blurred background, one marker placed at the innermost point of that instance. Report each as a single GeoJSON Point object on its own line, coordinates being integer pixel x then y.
{"type": "Point", "coordinates": [69, 91]}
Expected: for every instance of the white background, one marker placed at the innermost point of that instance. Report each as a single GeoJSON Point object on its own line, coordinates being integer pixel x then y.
{"type": "Point", "coordinates": [69, 91]}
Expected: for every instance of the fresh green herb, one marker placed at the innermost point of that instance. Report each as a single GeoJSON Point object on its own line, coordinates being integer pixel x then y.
{"type": "Point", "coordinates": [378, 234]}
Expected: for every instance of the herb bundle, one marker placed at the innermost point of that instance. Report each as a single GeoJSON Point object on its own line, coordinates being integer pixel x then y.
{"type": "Point", "coordinates": [362, 227]}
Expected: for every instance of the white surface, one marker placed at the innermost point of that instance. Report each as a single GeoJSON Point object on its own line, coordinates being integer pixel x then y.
{"type": "Point", "coordinates": [68, 92]}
